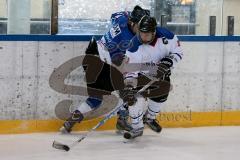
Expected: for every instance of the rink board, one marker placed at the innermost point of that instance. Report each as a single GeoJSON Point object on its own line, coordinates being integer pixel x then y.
{"type": "Point", "coordinates": [205, 83]}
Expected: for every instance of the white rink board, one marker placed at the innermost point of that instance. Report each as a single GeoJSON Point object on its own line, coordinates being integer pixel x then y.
{"type": "Point", "coordinates": [207, 79]}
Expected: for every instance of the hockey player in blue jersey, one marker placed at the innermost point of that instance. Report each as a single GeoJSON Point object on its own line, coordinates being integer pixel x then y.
{"type": "Point", "coordinates": [160, 48]}
{"type": "Point", "coordinates": [111, 49]}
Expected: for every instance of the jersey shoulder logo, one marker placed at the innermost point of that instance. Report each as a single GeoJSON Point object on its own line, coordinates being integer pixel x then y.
{"type": "Point", "coordinates": [115, 30]}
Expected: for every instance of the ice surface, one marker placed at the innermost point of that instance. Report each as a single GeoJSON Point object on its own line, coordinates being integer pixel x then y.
{"type": "Point", "coordinates": [205, 143]}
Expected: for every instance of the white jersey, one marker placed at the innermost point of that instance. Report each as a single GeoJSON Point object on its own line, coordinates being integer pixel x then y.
{"type": "Point", "coordinates": [164, 44]}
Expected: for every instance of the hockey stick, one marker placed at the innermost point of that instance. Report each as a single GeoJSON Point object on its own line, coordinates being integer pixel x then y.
{"type": "Point", "coordinates": [65, 147]}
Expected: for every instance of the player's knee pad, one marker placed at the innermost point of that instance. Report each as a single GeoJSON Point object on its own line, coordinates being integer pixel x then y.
{"type": "Point", "coordinates": [136, 114]}
{"type": "Point", "coordinates": [93, 102]}
{"type": "Point", "coordinates": [92, 47]}
{"type": "Point", "coordinates": [153, 109]}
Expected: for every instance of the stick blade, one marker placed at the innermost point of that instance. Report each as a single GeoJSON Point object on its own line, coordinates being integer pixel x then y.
{"type": "Point", "coordinates": [60, 146]}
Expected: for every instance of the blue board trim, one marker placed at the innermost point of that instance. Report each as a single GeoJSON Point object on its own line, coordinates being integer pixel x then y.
{"type": "Point", "coordinates": [88, 37]}
{"type": "Point", "coordinates": [209, 38]}
{"type": "Point", "coordinates": [47, 37]}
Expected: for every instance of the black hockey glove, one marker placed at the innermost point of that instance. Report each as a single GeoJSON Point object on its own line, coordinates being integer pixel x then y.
{"type": "Point", "coordinates": [128, 95]}
{"type": "Point", "coordinates": [164, 67]}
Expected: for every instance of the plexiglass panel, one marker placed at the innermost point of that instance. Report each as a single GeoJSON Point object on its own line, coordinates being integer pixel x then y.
{"type": "Point", "coordinates": [92, 17]}
{"type": "Point", "coordinates": [183, 17]}
{"type": "Point", "coordinates": [25, 16]}
{"type": "Point", "coordinates": [3, 16]}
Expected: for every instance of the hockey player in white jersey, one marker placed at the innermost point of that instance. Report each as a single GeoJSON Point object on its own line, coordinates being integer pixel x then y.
{"type": "Point", "coordinates": [111, 50]}
{"type": "Point", "coordinates": [158, 47]}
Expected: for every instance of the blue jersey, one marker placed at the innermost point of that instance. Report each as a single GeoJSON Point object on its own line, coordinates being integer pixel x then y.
{"type": "Point", "coordinates": [118, 39]}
